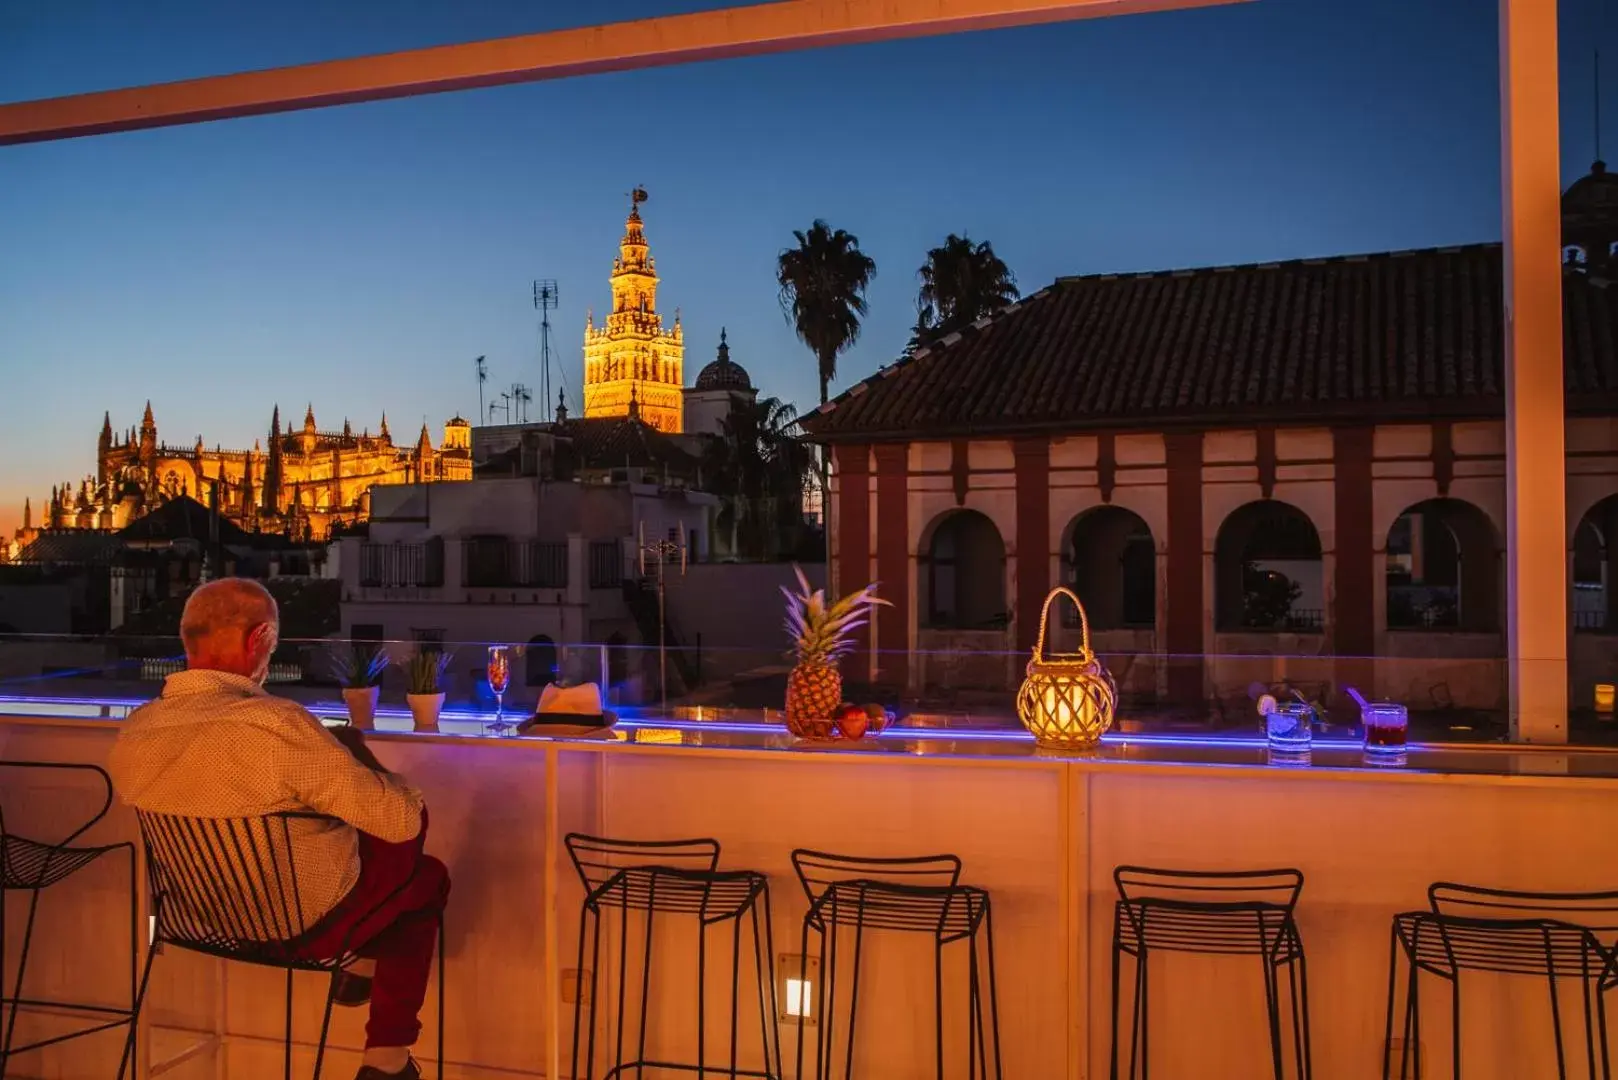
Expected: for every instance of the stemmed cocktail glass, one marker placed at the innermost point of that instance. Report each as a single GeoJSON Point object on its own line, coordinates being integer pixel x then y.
{"type": "Point", "coordinates": [499, 672]}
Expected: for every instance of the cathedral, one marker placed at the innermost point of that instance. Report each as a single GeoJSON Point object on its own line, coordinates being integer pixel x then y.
{"type": "Point", "coordinates": [300, 483]}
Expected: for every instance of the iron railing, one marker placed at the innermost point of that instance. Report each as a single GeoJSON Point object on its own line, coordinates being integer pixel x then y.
{"type": "Point", "coordinates": [501, 563]}
{"type": "Point", "coordinates": [404, 566]}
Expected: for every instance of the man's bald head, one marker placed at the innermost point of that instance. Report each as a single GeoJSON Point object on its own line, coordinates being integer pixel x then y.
{"type": "Point", "coordinates": [230, 625]}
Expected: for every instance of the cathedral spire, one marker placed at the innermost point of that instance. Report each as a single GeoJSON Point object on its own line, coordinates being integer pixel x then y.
{"type": "Point", "coordinates": [27, 513]}
{"type": "Point", "coordinates": [146, 421]}
{"type": "Point", "coordinates": [383, 432]}
{"type": "Point", "coordinates": [309, 418]}
{"type": "Point", "coordinates": [273, 477]}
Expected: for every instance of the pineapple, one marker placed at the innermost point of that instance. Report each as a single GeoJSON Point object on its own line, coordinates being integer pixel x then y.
{"type": "Point", "coordinates": [820, 634]}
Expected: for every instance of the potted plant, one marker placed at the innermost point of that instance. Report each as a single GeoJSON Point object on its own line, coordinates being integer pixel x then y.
{"type": "Point", "coordinates": [359, 669]}
{"type": "Point", "coordinates": [424, 685]}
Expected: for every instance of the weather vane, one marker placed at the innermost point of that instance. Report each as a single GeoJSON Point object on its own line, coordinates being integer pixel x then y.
{"type": "Point", "coordinates": [637, 197]}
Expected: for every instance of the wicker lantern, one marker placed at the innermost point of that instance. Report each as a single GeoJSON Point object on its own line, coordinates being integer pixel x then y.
{"type": "Point", "coordinates": [1067, 700]}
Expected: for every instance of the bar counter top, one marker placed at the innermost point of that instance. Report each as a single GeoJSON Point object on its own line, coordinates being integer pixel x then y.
{"type": "Point", "coordinates": [1338, 757]}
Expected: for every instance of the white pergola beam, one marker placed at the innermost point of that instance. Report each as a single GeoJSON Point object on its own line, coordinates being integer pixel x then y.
{"type": "Point", "coordinates": [1536, 400]}
{"type": "Point", "coordinates": [675, 39]}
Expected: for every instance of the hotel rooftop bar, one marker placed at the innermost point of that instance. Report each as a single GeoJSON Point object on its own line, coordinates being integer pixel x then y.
{"type": "Point", "coordinates": [1174, 829]}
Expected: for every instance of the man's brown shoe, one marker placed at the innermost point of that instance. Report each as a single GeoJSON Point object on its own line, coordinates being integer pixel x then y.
{"type": "Point", "coordinates": [411, 1071]}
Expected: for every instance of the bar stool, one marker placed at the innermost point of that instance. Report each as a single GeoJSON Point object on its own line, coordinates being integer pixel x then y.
{"type": "Point", "coordinates": [919, 895]}
{"type": "Point", "coordinates": [32, 866]}
{"type": "Point", "coordinates": [682, 878]}
{"type": "Point", "coordinates": [228, 887]}
{"type": "Point", "coordinates": [1550, 936]}
{"type": "Point", "coordinates": [1241, 913]}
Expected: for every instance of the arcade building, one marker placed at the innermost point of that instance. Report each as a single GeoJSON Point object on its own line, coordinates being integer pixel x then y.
{"type": "Point", "coordinates": [1247, 473]}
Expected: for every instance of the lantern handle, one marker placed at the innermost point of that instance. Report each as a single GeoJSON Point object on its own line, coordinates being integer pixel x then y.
{"type": "Point", "coordinates": [1045, 615]}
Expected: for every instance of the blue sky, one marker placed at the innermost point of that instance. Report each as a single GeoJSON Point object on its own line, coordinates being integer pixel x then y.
{"type": "Point", "coordinates": [361, 257]}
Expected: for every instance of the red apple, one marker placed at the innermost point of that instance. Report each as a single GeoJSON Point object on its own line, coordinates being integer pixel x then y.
{"type": "Point", "coordinates": [852, 721]}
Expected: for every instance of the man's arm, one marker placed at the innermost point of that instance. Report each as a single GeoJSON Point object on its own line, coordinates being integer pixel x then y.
{"type": "Point", "coordinates": [325, 777]}
{"type": "Point", "coordinates": [353, 740]}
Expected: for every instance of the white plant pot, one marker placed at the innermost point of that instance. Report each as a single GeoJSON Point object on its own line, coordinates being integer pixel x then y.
{"type": "Point", "coordinates": [425, 709]}
{"type": "Point", "coordinates": [361, 702]}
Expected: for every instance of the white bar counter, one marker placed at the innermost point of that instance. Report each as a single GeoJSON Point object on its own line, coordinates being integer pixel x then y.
{"type": "Point", "coordinates": [1041, 833]}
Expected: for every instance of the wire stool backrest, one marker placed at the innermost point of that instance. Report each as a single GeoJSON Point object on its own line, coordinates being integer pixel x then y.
{"type": "Point", "coordinates": [1518, 932]}
{"type": "Point", "coordinates": [221, 884]}
{"type": "Point", "coordinates": [598, 859]}
{"type": "Point", "coordinates": [17, 872]}
{"type": "Point", "coordinates": [818, 871]}
{"type": "Point", "coordinates": [1210, 911]}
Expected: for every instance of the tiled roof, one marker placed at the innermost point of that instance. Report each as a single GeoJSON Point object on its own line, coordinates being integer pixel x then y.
{"type": "Point", "coordinates": [182, 518]}
{"type": "Point", "coordinates": [618, 442]}
{"type": "Point", "coordinates": [79, 547]}
{"type": "Point", "coordinates": [1363, 337]}
{"type": "Point", "coordinates": [602, 443]}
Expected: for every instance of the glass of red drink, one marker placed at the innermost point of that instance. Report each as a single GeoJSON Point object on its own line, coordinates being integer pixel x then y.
{"type": "Point", "coordinates": [1387, 727]}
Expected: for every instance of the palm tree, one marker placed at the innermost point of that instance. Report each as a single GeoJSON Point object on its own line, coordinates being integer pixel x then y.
{"type": "Point", "coordinates": [961, 282]}
{"type": "Point", "coordinates": [823, 282]}
{"type": "Point", "coordinates": [758, 466]}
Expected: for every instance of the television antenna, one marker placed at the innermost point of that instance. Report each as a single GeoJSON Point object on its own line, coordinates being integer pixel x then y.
{"type": "Point", "coordinates": [662, 552]}
{"type": "Point", "coordinates": [546, 297]}
{"type": "Point", "coordinates": [520, 397]}
{"type": "Point", "coordinates": [483, 377]}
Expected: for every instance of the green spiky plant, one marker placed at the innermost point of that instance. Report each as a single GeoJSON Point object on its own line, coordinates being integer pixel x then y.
{"type": "Point", "coordinates": [821, 632]}
{"type": "Point", "coordinates": [358, 667]}
{"type": "Point", "coordinates": [424, 671]}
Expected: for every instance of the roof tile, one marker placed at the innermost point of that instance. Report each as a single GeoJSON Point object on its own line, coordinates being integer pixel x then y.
{"type": "Point", "coordinates": [1358, 337]}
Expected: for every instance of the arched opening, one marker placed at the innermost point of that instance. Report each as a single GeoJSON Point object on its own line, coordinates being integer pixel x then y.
{"type": "Point", "coordinates": [1595, 568]}
{"type": "Point", "coordinates": [1111, 562]}
{"type": "Point", "coordinates": [963, 574]}
{"type": "Point", "coordinates": [1443, 569]}
{"type": "Point", "coordinates": [1267, 571]}
{"type": "Point", "coordinates": [539, 661]}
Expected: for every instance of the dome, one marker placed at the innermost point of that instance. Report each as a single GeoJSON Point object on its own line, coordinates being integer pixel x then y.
{"type": "Point", "coordinates": [722, 374]}
{"type": "Point", "coordinates": [1592, 199]}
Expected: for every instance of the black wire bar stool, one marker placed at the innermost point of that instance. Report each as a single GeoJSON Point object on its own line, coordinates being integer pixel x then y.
{"type": "Point", "coordinates": [1240, 913]}
{"type": "Point", "coordinates": [32, 866]}
{"type": "Point", "coordinates": [1557, 937]}
{"type": "Point", "coordinates": [680, 878]}
{"type": "Point", "coordinates": [228, 887]}
{"type": "Point", "coordinates": [918, 895]}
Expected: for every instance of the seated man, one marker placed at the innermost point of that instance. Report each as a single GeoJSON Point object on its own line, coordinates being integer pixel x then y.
{"type": "Point", "coordinates": [215, 745]}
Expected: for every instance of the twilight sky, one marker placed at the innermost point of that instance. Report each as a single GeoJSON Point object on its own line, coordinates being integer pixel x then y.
{"type": "Point", "coordinates": [361, 257]}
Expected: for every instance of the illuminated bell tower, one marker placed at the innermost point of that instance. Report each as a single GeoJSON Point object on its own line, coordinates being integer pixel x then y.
{"type": "Point", "coordinates": [630, 356]}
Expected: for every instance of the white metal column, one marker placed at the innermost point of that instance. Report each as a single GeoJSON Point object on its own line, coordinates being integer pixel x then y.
{"type": "Point", "coordinates": [1536, 495]}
